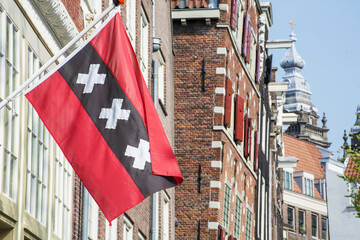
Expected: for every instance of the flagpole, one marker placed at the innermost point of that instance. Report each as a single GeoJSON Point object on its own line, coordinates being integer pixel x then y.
{"type": "Point", "coordinates": [14, 94]}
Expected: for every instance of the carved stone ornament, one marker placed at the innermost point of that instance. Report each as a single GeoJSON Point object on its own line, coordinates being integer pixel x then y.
{"type": "Point", "coordinates": [58, 19]}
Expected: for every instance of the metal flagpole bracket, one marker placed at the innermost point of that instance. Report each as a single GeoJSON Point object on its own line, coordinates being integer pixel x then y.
{"type": "Point", "coordinates": [15, 94]}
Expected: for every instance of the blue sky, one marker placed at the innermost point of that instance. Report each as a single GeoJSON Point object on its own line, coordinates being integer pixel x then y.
{"type": "Point", "coordinates": [327, 35]}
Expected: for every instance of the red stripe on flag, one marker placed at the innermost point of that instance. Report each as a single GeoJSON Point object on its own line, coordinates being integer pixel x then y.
{"type": "Point", "coordinates": [69, 124]}
{"type": "Point", "coordinates": [120, 58]}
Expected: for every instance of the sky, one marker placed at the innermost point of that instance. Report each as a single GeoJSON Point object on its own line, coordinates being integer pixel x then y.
{"type": "Point", "coordinates": [327, 33]}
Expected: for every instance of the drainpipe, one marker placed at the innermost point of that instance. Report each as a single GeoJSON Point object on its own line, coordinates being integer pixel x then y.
{"type": "Point", "coordinates": [155, 196]}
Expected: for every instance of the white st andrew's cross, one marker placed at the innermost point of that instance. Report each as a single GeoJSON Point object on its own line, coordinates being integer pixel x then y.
{"type": "Point", "coordinates": [113, 114]}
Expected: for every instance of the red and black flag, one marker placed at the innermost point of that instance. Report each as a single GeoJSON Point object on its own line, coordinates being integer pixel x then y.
{"type": "Point", "coordinates": [98, 108]}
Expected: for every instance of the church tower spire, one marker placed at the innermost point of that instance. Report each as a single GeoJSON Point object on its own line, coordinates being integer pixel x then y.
{"type": "Point", "coordinates": [298, 99]}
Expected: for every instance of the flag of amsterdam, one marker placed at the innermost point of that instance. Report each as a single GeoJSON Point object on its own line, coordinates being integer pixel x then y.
{"type": "Point", "coordinates": [97, 107]}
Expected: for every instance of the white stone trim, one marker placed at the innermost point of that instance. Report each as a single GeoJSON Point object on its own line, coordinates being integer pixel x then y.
{"type": "Point", "coordinates": [221, 128]}
{"type": "Point", "coordinates": [221, 50]}
{"type": "Point", "coordinates": [58, 19]}
{"type": "Point", "coordinates": [219, 110]}
{"type": "Point", "coordinates": [214, 204]}
{"type": "Point", "coordinates": [195, 13]}
{"type": "Point", "coordinates": [220, 91]}
{"type": "Point", "coordinates": [305, 202]}
{"type": "Point", "coordinates": [216, 144]}
{"type": "Point", "coordinates": [224, 7]}
{"type": "Point", "coordinates": [216, 164]}
{"type": "Point", "coordinates": [238, 53]}
{"type": "Point", "coordinates": [213, 225]}
{"type": "Point", "coordinates": [221, 71]}
{"type": "Point", "coordinates": [215, 184]}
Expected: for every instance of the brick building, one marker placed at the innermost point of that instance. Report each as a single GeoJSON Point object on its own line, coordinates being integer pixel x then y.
{"type": "Point", "coordinates": [219, 64]}
{"type": "Point", "coordinates": [41, 197]}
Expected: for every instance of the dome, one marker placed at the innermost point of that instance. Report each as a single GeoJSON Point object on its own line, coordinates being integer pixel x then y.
{"type": "Point", "coordinates": [356, 128]}
{"type": "Point", "coordinates": [292, 58]}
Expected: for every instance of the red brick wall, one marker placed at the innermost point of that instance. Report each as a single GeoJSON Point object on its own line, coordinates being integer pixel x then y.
{"type": "Point", "coordinates": [77, 208]}
{"type": "Point", "coordinates": [194, 122]}
{"type": "Point", "coordinates": [75, 12]}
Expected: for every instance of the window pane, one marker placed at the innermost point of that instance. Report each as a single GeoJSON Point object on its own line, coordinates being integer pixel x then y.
{"type": "Point", "coordinates": [226, 206]}
{"type": "Point", "coordinates": [323, 228]}
{"type": "Point", "coordinates": [8, 32]}
{"type": "Point", "coordinates": [301, 220]}
{"type": "Point", "coordinates": [291, 217]}
{"type": "Point", "coordinates": [12, 177]}
{"type": "Point", "coordinates": [314, 225]}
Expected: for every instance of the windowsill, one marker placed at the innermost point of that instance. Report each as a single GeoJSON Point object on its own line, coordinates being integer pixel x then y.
{"type": "Point", "coordinates": [163, 107]}
{"type": "Point", "coordinates": [196, 13]}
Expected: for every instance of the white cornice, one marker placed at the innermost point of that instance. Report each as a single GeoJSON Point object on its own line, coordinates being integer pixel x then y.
{"type": "Point", "coordinates": [305, 202]}
{"type": "Point", "coordinates": [59, 20]}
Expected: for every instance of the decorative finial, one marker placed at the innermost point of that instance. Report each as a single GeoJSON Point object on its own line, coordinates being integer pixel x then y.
{"type": "Point", "coordinates": [324, 120]}
{"type": "Point", "coordinates": [345, 137]}
{"type": "Point", "coordinates": [292, 24]}
{"type": "Point", "coordinates": [301, 114]}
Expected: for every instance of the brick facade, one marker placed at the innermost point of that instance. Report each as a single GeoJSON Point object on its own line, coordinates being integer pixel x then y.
{"type": "Point", "coordinates": [202, 141]}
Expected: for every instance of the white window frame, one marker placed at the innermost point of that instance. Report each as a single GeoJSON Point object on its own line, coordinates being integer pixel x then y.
{"type": "Point", "coordinates": [128, 229]}
{"type": "Point", "coordinates": [93, 220]}
{"type": "Point", "coordinates": [327, 231]}
{"type": "Point", "coordinates": [144, 46]}
{"type": "Point", "coordinates": [309, 187]}
{"type": "Point", "coordinates": [161, 78]}
{"type": "Point", "coordinates": [62, 195]}
{"type": "Point", "coordinates": [292, 223]}
{"type": "Point", "coordinates": [166, 216]}
{"type": "Point", "coordinates": [304, 219]}
{"type": "Point", "coordinates": [9, 117]}
{"type": "Point", "coordinates": [237, 216]}
{"type": "Point", "coordinates": [131, 22]}
{"type": "Point", "coordinates": [248, 224]}
{"type": "Point", "coordinates": [288, 179]}
{"type": "Point", "coordinates": [238, 33]}
{"type": "Point", "coordinates": [317, 225]}
{"type": "Point", "coordinates": [37, 148]}
{"type": "Point", "coordinates": [226, 215]}
{"type": "Point", "coordinates": [252, 63]}
{"type": "Point", "coordinates": [111, 232]}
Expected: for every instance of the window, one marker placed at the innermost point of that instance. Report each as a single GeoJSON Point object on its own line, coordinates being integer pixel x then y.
{"type": "Point", "coordinates": [111, 231]}
{"type": "Point", "coordinates": [226, 206]}
{"type": "Point", "coordinates": [301, 221]}
{"type": "Point", "coordinates": [324, 228]}
{"type": "Point", "coordinates": [239, 23]}
{"type": "Point", "coordinates": [166, 222]}
{"type": "Point", "coordinates": [144, 48]}
{"type": "Point", "coordinates": [161, 79]}
{"type": "Point", "coordinates": [37, 156]}
{"type": "Point", "coordinates": [309, 187]}
{"type": "Point", "coordinates": [314, 225]}
{"type": "Point", "coordinates": [237, 222]}
{"type": "Point", "coordinates": [63, 197]}
{"type": "Point", "coordinates": [93, 219]}
{"type": "Point", "coordinates": [248, 225]}
{"type": "Point", "coordinates": [288, 180]}
{"type": "Point", "coordinates": [291, 217]}
{"type": "Point", "coordinates": [130, 21]}
{"type": "Point", "coordinates": [253, 54]}
{"type": "Point", "coordinates": [128, 229]}
{"type": "Point", "coordinates": [9, 120]}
